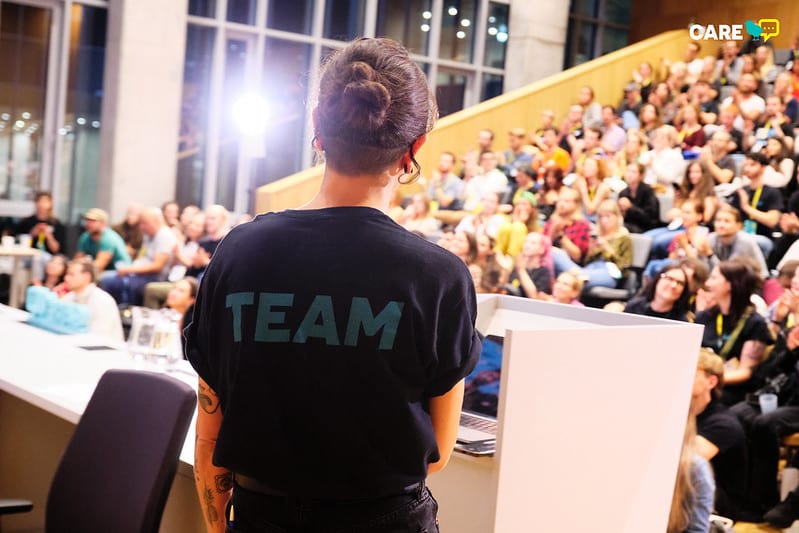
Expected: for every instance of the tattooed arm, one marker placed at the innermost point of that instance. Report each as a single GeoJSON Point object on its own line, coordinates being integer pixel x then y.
{"type": "Point", "coordinates": [214, 484]}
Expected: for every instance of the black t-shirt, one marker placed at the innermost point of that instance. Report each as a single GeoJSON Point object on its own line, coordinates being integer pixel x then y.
{"type": "Point", "coordinates": [640, 306]}
{"type": "Point", "coordinates": [540, 276]}
{"type": "Point", "coordinates": [754, 328]}
{"type": "Point", "coordinates": [721, 427]}
{"type": "Point", "coordinates": [644, 213]}
{"type": "Point", "coordinates": [325, 333]}
{"type": "Point", "coordinates": [209, 245]}
{"type": "Point", "coordinates": [59, 232]}
{"type": "Point", "coordinates": [770, 198]}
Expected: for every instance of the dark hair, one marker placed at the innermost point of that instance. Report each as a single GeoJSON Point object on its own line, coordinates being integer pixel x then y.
{"type": "Point", "coordinates": [373, 104]}
{"type": "Point", "coordinates": [681, 305]}
{"type": "Point", "coordinates": [594, 130]}
{"type": "Point", "coordinates": [703, 189]}
{"type": "Point", "coordinates": [472, 240]}
{"type": "Point", "coordinates": [758, 157]}
{"type": "Point", "coordinates": [743, 283]}
{"type": "Point", "coordinates": [557, 173]}
{"type": "Point", "coordinates": [193, 285]}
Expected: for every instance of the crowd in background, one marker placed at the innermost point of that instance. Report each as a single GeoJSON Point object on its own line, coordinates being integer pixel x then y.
{"type": "Point", "coordinates": [153, 257]}
{"type": "Point", "coordinates": [698, 156]}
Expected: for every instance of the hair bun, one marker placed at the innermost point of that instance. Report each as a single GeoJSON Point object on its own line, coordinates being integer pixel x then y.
{"type": "Point", "coordinates": [365, 97]}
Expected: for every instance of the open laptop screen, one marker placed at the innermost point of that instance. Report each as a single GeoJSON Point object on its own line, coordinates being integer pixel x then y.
{"type": "Point", "coordinates": [482, 385]}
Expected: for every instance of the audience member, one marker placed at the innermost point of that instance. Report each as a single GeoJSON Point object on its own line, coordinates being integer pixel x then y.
{"type": "Point", "coordinates": [715, 158]}
{"type": "Point", "coordinates": [728, 67]}
{"type": "Point", "coordinates": [445, 187]}
{"type": "Point", "coordinates": [591, 185]}
{"type": "Point", "coordinates": [760, 204]}
{"type": "Point", "coordinates": [691, 135]}
{"type": "Point", "coordinates": [776, 285]}
{"type": "Point", "coordinates": [126, 285]}
{"type": "Point", "coordinates": [171, 212]}
{"type": "Point", "coordinates": [181, 298]}
{"type": "Point", "coordinates": [487, 220]}
{"type": "Point", "coordinates": [630, 107]}
{"type": "Point", "coordinates": [534, 270]}
{"type": "Point", "coordinates": [664, 296]}
{"type": "Point", "coordinates": [217, 224]}
{"type": "Point", "coordinates": [664, 162]}
{"type": "Point", "coordinates": [524, 219]}
{"type": "Point", "coordinates": [54, 272]}
{"type": "Point", "coordinates": [689, 241]}
{"type": "Point", "coordinates": [130, 230]}
{"type": "Point", "coordinates": [728, 241]}
{"type": "Point", "coordinates": [694, 489]}
{"type": "Point", "coordinates": [783, 89]}
{"type": "Point", "coordinates": [104, 319]}
{"type": "Point", "coordinates": [638, 203]}
{"type": "Point", "coordinates": [551, 153]}
{"type": "Point", "coordinates": [780, 167]}
{"type": "Point", "coordinates": [613, 136]}
{"type": "Point", "coordinates": [649, 121]}
{"type": "Point", "coordinates": [547, 195]}
{"type": "Point", "coordinates": [566, 290]}
{"type": "Point", "coordinates": [566, 228]}
{"type": "Point", "coordinates": [516, 156]}
{"type": "Point", "coordinates": [102, 244]}
{"type": "Point", "coordinates": [609, 251]}
{"type": "Point", "coordinates": [697, 185]}
{"type": "Point", "coordinates": [592, 110]}
{"type": "Point", "coordinates": [187, 214]}
{"type": "Point", "coordinates": [732, 327]}
{"type": "Point", "coordinates": [417, 216]}
{"type": "Point", "coordinates": [47, 233]}
{"type": "Point", "coordinates": [634, 148]}
{"type": "Point", "coordinates": [720, 437]}
{"type": "Point", "coordinates": [523, 183]}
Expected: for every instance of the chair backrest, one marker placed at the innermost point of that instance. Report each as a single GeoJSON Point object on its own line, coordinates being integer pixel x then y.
{"type": "Point", "coordinates": [118, 467]}
{"type": "Point", "coordinates": [642, 244]}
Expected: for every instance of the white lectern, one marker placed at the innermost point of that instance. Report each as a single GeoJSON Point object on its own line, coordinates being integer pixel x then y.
{"type": "Point", "coordinates": [591, 416]}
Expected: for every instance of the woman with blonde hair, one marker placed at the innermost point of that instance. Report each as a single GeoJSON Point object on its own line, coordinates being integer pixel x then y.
{"type": "Point", "coordinates": [524, 220]}
{"type": "Point", "coordinates": [609, 252]}
{"type": "Point", "coordinates": [591, 185]}
{"type": "Point", "coordinates": [694, 487]}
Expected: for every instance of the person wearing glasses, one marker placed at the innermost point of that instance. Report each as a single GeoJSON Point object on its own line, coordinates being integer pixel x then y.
{"type": "Point", "coordinates": [733, 329]}
{"type": "Point", "coordinates": [664, 296]}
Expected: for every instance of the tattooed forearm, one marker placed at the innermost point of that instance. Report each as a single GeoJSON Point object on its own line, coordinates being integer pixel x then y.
{"type": "Point", "coordinates": [210, 509]}
{"type": "Point", "coordinates": [224, 482]}
{"type": "Point", "coordinates": [207, 399]}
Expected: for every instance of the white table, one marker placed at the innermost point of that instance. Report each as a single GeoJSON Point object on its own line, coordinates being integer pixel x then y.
{"type": "Point", "coordinates": [46, 381]}
{"type": "Point", "coordinates": [17, 253]}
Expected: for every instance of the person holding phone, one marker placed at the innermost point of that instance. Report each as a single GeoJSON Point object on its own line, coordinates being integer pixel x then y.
{"type": "Point", "coordinates": [332, 320]}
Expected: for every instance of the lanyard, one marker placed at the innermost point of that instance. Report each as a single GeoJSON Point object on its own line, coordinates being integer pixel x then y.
{"type": "Point", "coordinates": [719, 324]}
{"type": "Point", "coordinates": [756, 196]}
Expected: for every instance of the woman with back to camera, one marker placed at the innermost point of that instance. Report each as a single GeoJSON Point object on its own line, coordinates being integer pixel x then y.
{"type": "Point", "coordinates": [733, 329]}
{"type": "Point", "coordinates": [366, 330]}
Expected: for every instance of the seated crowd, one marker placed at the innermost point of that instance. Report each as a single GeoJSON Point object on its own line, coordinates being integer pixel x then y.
{"type": "Point", "coordinates": [702, 164]}
{"type": "Point", "coordinates": [699, 159]}
{"type": "Point", "coordinates": [154, 257]}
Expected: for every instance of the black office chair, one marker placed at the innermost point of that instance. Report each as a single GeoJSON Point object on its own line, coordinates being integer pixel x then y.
{"type": "Point", "coordinates": [118, 467]}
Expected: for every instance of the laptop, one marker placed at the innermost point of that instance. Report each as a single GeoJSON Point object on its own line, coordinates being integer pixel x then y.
{"type": "Point", "coordinates": [477, 431]}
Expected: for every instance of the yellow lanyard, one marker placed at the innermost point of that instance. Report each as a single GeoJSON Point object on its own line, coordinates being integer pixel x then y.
{"type": "Point", "coordinates": [756, 196]}
{"type": "Point", "coordinates": [719, 324]}
{"type": "Point", "coordinates": [592, 192]}
{"type": "Point", "coordinates": [790, 321]}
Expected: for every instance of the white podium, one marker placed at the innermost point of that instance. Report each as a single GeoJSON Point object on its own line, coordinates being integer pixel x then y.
{"type": "Point", "coordinates": [591, 416]}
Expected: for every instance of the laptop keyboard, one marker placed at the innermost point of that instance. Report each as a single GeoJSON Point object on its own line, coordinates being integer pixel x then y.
{"type": "Point", "coordinates": [481, 424]}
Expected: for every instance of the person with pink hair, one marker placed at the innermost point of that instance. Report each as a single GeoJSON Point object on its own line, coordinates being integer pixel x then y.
{"type": "Point", "coordinates": [534, 270]}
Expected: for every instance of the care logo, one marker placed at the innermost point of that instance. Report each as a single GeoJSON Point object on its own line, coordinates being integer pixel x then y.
{"type": "Point", "coordinates": [763, 30]}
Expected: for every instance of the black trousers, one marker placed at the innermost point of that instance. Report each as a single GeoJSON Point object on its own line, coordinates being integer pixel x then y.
{"type": "Point", "coordinates": [412, 512]}
{"type": "Point", "coordinates": [764, 434]}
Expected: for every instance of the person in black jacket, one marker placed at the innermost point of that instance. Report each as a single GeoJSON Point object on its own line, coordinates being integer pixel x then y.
{"type": "Point", "coordinates": [47, 233]}
{"type": "Point", "coordinates": [765, 432]}
{"type": "Point", "coordinates": [638, 202]}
